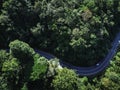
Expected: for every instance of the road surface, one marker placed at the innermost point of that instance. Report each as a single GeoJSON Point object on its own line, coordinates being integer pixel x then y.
{"type": "Point", "coordinates": [93, 70]}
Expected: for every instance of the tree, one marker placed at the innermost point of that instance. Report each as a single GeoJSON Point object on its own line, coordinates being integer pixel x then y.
{"type": "Point", "coordinates": [110, 79]}
{"type": "Point", "coordinates": [54, 66]}
{"type": "Point", "coordinates": [84, 26]}
{"type": "Point", "coordinates": [66, 80]}
{"type": "Point", "coordinates": [39, 68]}
{"type": "Point", "coordinates": [4, 56]}
{"type": "Point", "coordinates": [6, 29]}
{"type": "Point", "coordinates": [10, 72]}
{"type": "Point", "coordinates": [21, 50]}
{"type": "Point", "coordinates": [3, 83]}
{"type": "Point", "coordinates": [24, 87]}
{"type": "Point", "coordinates": [24, 53]}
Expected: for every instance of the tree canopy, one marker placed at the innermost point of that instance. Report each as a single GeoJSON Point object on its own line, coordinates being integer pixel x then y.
{"type": "Point", "coordinates": [69, 29]}
{"type": "Point", "coordinates": [79, 32]}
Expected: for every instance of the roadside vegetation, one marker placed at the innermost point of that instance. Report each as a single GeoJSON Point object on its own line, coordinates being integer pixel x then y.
{"type": "Point", "coordinates": [79, 32]}
{"type": "Point", "coordinates": [21, 68]}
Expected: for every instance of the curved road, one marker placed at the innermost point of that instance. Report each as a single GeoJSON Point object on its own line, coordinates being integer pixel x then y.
{"type": "Point", "coordinates": [93, 70]}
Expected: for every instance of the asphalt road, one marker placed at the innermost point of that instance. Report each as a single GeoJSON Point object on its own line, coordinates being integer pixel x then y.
{"type": "Point", "coordinates": [93, 70]}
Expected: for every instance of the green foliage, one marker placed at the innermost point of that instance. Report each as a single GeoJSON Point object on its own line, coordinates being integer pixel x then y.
{"type": "Point", "coordinates": [19, 11]}
{"type": "Point", "coordinates": [112, 74]}
{"type": "Point", "coordinates": [21, 50]}
{"type": "Point", "coordinates": [10, 72]}
{"type": "Point", "coordinates": [83, 25]}
{"type": "Point", "coordinates": [70, 29]}
{"type": "Point", "coordinates": [20, 16]}
{"type": "Point", "coordinates": [24, 87]}
{"type": "Point", "coordinates": [3, 57]}
{"type": "Point", "coordinates": [16, 69]}
{"type": "Point", "coordinates": [110, 80]}
{"type": "Point", "coordinates": [66, 80]}
{"type": "Point", "coordinates": [79, 32]}
{"type": "Point", "coordinates": [53, 67]}
{"type": "Point", "coordinates": [3, 83]}
{"type": "Point", "coordinates": [10, 67]}
{"type": "Point", "coordinates": [40, 67]}
{"type": "Point", "coordinates": [6, 27]}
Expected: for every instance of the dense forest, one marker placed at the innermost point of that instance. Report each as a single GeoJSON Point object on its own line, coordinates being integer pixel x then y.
{"type": "Point", "coordinates": [21, 68]}
{"type": "Point", "coordinates": [68, 29]}
{"type": "Point", "coordinates": [79, 32]}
